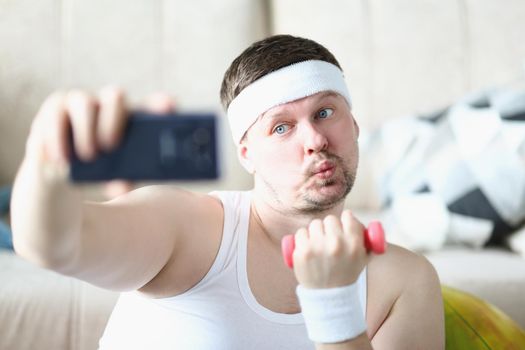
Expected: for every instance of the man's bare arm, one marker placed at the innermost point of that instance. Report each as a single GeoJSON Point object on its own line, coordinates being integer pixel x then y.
{"type": "Point", "coordinates": [123, 244]}
{"type": "Point", "coordinates": [416, 319]}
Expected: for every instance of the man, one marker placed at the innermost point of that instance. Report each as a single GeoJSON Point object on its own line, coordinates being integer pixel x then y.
{"type": "Point", "coordinates": [205, 271]}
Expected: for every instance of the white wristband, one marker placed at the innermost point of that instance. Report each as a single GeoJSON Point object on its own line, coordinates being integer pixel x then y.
{"type": "Point", "coordinates": [332, 315]}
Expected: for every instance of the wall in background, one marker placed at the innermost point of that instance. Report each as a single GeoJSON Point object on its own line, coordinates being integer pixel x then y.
{"type": "Point", "coordinates": [144, 46]}
{"type": "Point", "coordinates": [399, 56]}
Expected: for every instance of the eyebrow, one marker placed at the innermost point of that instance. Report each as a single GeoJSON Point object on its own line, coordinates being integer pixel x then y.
{"type": "Point", "coordinates": [263, 117]}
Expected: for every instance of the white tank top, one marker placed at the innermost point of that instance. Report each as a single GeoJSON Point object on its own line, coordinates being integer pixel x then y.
{"type": "Point", "coordinates": [218, 313]}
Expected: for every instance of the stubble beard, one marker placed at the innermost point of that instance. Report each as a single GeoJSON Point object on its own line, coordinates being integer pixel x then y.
{"type": "Point", "coordinates": [311, 201]}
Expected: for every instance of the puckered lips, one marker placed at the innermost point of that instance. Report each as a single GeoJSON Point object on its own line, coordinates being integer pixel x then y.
{"type": "Point", "coordinates": [324, 170]}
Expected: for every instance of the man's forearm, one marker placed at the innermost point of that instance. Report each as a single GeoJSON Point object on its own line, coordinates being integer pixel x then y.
{"type": "Point", "coordinates": [46, 215]}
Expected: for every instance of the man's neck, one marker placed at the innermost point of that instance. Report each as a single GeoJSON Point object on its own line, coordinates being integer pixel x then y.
{"type": "Point", "coordinates": [277, 221]}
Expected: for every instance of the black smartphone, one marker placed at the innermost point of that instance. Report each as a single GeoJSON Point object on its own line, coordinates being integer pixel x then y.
{"type": "Point", "coordinates": [176, 146]}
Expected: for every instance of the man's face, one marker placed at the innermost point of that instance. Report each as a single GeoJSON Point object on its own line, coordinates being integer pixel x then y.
{"type": "Point", "coordinates": [305, 152]}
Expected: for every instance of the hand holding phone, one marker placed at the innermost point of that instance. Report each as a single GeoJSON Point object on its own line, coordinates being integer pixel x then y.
{"type": "Point", "coordinates": [177, 146]}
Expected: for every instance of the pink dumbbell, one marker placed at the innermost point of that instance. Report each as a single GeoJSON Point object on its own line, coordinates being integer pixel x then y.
{"type": "Point", "coordinates": [374, 241]}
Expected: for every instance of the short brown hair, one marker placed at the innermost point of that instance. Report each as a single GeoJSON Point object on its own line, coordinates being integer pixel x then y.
{"type": "Point", "coordinates": [266, 56]}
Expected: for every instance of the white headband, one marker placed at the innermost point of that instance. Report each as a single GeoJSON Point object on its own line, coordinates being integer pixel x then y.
{"type": "Point", "coordinates": [285, 85]}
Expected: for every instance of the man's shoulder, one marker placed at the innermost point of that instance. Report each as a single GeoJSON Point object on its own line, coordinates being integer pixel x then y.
{"type": "Point", "coordinates": [401, 255]}
{"type": "Point", "coordinates": [179, 206]}
{"type": "Point", "coordinates": [399, 274]}
{"type": "Point", "coordinates": [167, 192]}
{"type": "Point", "coordinates": [400, 270]}
{"type": "Point", "coordinates": [401, 262]}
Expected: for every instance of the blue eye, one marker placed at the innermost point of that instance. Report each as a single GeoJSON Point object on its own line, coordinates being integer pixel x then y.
{"type": "Point", "coordinates": [280, 129]}
{"type": "Point", "coordinates": [325, 113]}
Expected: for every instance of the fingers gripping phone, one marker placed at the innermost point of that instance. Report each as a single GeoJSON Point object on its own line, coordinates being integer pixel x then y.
{"type": "Point", "coordinates": [177, 146]}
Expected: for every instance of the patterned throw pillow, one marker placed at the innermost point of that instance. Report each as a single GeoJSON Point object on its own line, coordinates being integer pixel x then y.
{"type": "Point", "coordinates": [461, 169]}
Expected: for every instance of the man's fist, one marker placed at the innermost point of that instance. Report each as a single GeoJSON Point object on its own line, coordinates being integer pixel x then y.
{"type": "Point", "coordinates": [330, 252]}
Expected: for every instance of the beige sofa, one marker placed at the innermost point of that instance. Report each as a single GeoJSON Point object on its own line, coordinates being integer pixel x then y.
{"type": "Point", "coordinates": [400, 57]}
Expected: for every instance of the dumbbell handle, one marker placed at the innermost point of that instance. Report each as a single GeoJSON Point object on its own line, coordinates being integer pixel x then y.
{"type": "Point", "coordinates": [374, 241]}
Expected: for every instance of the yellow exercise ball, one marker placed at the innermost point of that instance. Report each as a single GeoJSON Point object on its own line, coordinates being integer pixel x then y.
{"type": "Point", "coordinates": [471, 324]}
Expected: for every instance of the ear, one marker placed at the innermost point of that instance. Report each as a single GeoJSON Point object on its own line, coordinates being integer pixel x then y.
{"type": "Point", "coordinates": [244, 159]}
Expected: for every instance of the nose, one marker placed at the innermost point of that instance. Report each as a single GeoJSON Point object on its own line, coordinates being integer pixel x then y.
{"type": "Point", "coordinates": [314, 139]}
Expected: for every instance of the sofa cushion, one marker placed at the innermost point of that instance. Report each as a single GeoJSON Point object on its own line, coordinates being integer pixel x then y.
{"type": "Point", "coordinates": [494, 275]}
{"type": "Point", "coordinates": [41, 309]}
